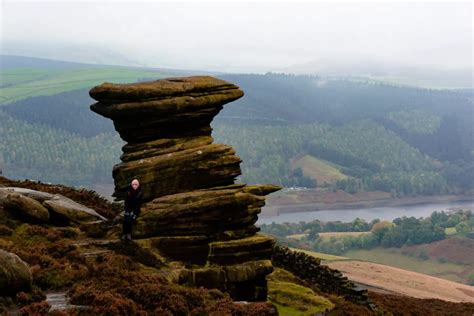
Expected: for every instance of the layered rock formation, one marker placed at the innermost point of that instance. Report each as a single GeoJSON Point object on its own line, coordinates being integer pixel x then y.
{"type": "Point", "coordinates": [195, 213]}
{"type": "Point", "coordinates": [167, 126]}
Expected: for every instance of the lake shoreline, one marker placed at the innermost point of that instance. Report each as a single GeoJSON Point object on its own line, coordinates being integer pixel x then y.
{"type": "Point", "coordinates": [274, 209]}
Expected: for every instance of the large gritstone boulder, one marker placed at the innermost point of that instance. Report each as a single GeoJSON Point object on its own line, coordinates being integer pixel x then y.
{"type": "Point", "coordinates": [194, 213]}
{"type": "Point", "coordinates": [26, 207]}
{"type": "Point", "coordinates": [167, 126]}
{"type": "Point", "coordinates": [38, 206]}
{"type": "Point", "coordinates": [15, 275]}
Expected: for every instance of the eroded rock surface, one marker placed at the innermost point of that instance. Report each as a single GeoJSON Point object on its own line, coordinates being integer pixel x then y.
{"type": "Point", "coordinates": [15, 275]}
{"type": "Point", "coordinates": [26, 207]}
{"type": "Point", "coordinates": [167, 126]}
{"type": "Point", "coordinates": [194, 212]}
{"type": "Point", "coordinates": [38, 206]}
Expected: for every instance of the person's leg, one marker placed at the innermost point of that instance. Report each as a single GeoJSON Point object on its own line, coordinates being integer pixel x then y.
{"type": "Point", "coordinates": [129, 233]}
{"type": "Point", "coordinates": [127, 229]}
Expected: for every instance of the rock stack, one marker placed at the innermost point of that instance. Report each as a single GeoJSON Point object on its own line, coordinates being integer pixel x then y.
{"type": "Point", "coordinates": [194, 211]}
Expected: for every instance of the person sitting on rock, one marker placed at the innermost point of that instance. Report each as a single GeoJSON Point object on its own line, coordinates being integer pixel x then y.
{"type": "Point", "coordinates": [133, 201]}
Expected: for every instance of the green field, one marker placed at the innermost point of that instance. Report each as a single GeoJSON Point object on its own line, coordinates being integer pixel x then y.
{"type": "Point", "coordinates": [339, 235]}
{"type": "Point", "coordinates": [291, 297]}
{"type": "Point", "coordinates": [297, 236]}
{"type": "Point", "coordinates": [393, 257]}
{"type": "Point", "coordinates": [450, 231]}
{"type": "Point", "coordinates": [318, 169]}
{"type": "Point", "coordinates": [23, 75]}
{"type": "Point", "coordinates": [23, 83]}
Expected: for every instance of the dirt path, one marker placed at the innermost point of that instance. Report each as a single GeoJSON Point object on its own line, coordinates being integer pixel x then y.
{"type": "Point", "coordinates": [60, 302]}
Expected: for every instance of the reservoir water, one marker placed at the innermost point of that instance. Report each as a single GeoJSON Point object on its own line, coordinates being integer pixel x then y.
{"type": "Point", "coordinates": [382, 213]}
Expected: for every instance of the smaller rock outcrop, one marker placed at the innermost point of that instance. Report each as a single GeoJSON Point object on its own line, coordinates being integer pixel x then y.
{"type": "Point", "coordinates": [32, 205]}
{"type": "Point", "coordinates": [71, 210]}
{"type": "Point", "coordinates": [15, 275]}
{"type": "Point", "coordinates": [26, 207]}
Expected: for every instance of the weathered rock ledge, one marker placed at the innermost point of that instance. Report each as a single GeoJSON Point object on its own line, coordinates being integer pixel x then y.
{"type": "Point", "coordinates": [42, 207]}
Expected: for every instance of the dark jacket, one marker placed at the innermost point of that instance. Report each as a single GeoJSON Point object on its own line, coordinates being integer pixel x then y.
{"type": "Point", "coordinates": [133, 201]}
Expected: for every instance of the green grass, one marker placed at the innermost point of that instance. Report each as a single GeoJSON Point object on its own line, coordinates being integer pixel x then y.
{"type": "Point", "coordinates": [450, 231]}
{"type": "Point", "coordinates": [394, 257]}
{"type": "Point", "coordinates": [297, 236]}
{"type": "Point", "coordinates": [20, 84]}
{"type": "Point", "coordinates": [318, 169]}
{"type": "Point", "coordinates": [340, 235]}
{"type": "Point", "coordinates": [292, 298]}
{"type": "Point", "coordinates": [21, 75]}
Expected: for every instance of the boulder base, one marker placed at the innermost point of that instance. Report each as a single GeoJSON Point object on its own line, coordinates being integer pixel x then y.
{"type": "Point", "coordinates": [15, 275]}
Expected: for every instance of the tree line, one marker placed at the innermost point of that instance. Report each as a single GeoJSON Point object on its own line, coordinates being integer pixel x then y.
{"type": "Point", "coordinates": [396, 139]}
{"type": "Point", "coordinates": [404, 231]}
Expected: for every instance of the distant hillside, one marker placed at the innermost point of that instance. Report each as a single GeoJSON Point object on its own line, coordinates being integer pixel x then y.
{"type": "Point", "coordinates": [318, 170]}
{"type": "Point", "coordinates": [427, 77]}
{"type": "Point", "coordinates": [12, 62]}
{"type": "Point", "coordinates": [385, 136]}
{"type": "Point", "coordinates": [380, 137]}
{"type": "Point", "coordinates": [24, 77]}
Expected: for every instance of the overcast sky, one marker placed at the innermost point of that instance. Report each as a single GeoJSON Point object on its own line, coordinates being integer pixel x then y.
{"type": "Point", "coordinates": [241, 36]}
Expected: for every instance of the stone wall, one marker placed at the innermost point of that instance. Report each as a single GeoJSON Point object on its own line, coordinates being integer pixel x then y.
{"type": "Point", "coordinates": [310, 269]}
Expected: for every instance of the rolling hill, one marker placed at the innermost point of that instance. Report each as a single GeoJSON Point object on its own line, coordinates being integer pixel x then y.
{"type": "Point", "coordinates": [317, 169]}
{"type": "Point", "coordinates": [391, 280]}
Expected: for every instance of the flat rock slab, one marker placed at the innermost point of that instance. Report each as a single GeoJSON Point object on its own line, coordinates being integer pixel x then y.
{"type": "Point", "coordinates": [200, 212]}
{"type": "Point", "coordinates": [38, 205]}
{"type": "Point", "coordinates": [185, 170]}
{"type": "Point", "coordinates": [35, 195]}
{"type": "Point", "coordinates": [257, 247]}
{"type": "Point", "coordinates": [160, 89]}
{"type": "Point", "coordinates": [166, 108]}
{"type": "Point", "coordinates": [26, 207]}
{"type": "Point", "coordinates": [72, 210]}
